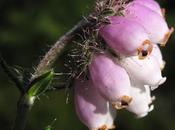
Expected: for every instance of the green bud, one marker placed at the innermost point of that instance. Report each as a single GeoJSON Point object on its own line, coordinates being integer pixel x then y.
{"type": "Point", "coordinates": [40, 84]}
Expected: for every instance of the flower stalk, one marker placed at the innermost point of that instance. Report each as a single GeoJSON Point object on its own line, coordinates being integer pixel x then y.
{"type": "Point", "coordinates": [24, 104]}
{"type": "Point", "coordinates": [57, 48]}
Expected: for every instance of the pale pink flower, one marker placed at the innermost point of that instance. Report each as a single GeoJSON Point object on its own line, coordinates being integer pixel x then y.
{"type": "Point", "coordinates": [154, 24]}
{"type": "Point", "coordinates": [126, 36]}
{"type": "Point", "coordinates": [92, 109]}
{"type": "Point", "coordinates": [111, 80]}
{"type": "Point", "coordinates": [143, 72]}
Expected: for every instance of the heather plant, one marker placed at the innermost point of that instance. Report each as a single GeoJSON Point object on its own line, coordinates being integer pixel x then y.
{"type": "Point", "coordinates": [112, 60]}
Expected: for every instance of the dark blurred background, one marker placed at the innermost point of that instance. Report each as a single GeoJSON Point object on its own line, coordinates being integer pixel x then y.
{"type": "Point", "coordinates": [29, 27]}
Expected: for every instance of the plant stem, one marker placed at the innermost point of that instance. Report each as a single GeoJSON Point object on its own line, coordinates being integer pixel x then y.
{"type": "Point", "coordinates": [10, 74]}
{"type": "Point", "coordinates": [23, 108]}
{"type": "Point", "coordinates": [47, 61]}
{"type": "Point", "coordinates": [57, 48]}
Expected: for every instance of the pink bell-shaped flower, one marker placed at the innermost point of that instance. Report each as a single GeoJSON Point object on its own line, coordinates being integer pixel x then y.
{"type": "Point", "coordinates": [111, 80]}
{"type": "Point", "coordinates": [154, 24]}
{"type": "Point", "coordinates": [92, 109]}
{"type": "Point", "coordinates": [143, 72]}
{"type": "Point", "coordinates": [126, 36]}
{"type": "Point", "coordinates": [141, 103]}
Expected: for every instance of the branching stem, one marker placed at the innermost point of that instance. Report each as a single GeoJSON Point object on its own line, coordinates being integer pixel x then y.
{"type": "Point", "coordinates": [51, 56]}
{"type": "Point", "coordinates": [23, 107]}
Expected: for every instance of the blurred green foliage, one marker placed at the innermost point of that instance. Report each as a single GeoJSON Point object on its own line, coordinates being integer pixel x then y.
{"type": "Point", "coordinates": [28, 28]}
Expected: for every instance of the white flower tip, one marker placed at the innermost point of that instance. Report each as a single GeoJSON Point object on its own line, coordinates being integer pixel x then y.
{"type": "Point", "coordinates": [154, 87]}
{"type": "Point", "coordinates": [123, 102]}
{"type": "Point", "coordinates": [145, 49]}
{"type": "Point", "coordinates": [142, 115]}
{"type": "Point", "coordinates": [167, 36]}
{"type": "Point", "coordinates": [162, 81]}
{"type": "Point", "coordinates": [151, 108]}
{"type": "Point", "coordinates": [146, 113]}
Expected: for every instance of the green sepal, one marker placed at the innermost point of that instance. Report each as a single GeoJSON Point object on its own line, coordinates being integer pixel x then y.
{"type": "Point", "coordinates": [40, 84]}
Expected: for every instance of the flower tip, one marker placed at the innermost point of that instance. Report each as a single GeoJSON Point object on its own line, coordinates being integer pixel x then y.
{"type": "Point", "coordinates": [146, 113]}
{"type": "Point", "coordinates": [142, 115]}
{"type": "Point", "coordinates": [145, 49]}
{"type": "Point", "coordinates": [162, 81]}
{"type": "Point", "coordinates": [151, 108]}
{"type": "Point", "coordinates": [122, 103]}
{"type": "Point", "coordinates": [166, 37]}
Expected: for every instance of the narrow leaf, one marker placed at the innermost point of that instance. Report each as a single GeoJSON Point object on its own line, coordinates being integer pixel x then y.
{"type": "Point", "coordinates": [40, 84]}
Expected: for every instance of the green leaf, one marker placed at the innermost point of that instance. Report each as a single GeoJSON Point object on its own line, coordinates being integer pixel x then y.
{"type": "Point", "coordinates": [40, 84]}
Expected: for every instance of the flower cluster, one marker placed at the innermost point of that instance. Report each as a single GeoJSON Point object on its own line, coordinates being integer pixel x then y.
{"type": "Point", "coordinates": [126, 79]}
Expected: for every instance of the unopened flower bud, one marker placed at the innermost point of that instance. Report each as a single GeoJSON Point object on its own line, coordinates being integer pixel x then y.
{"type": "Point", "coordinates": [92, 109]}
{"type": "Point", "coordinates": [111, 80]}
{"type": "Point", "coordinates": [125, 36]}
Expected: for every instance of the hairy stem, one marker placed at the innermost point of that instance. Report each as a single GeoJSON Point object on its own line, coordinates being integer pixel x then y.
{"type": "Point", "coordinates": [57, 48]}
{"type": "Point", "coordinates": [23, 107]}
{"type": "Point", "coordinates": [50, 57]}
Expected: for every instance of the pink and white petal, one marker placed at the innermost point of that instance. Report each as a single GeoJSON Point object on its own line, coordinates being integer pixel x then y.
{"type": "Point", "coordinates": [156, 27]}
{"type": "Point", "coordinates": [125, 36]}
{"type": "Point", "coordinates": [140, 104]}
{"type": "Point", "coordinates": [111, 80]}
{"type": "Point", "coordinates": [92, 109]}
{"type": "Point", "coordinates": [143, 72]}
